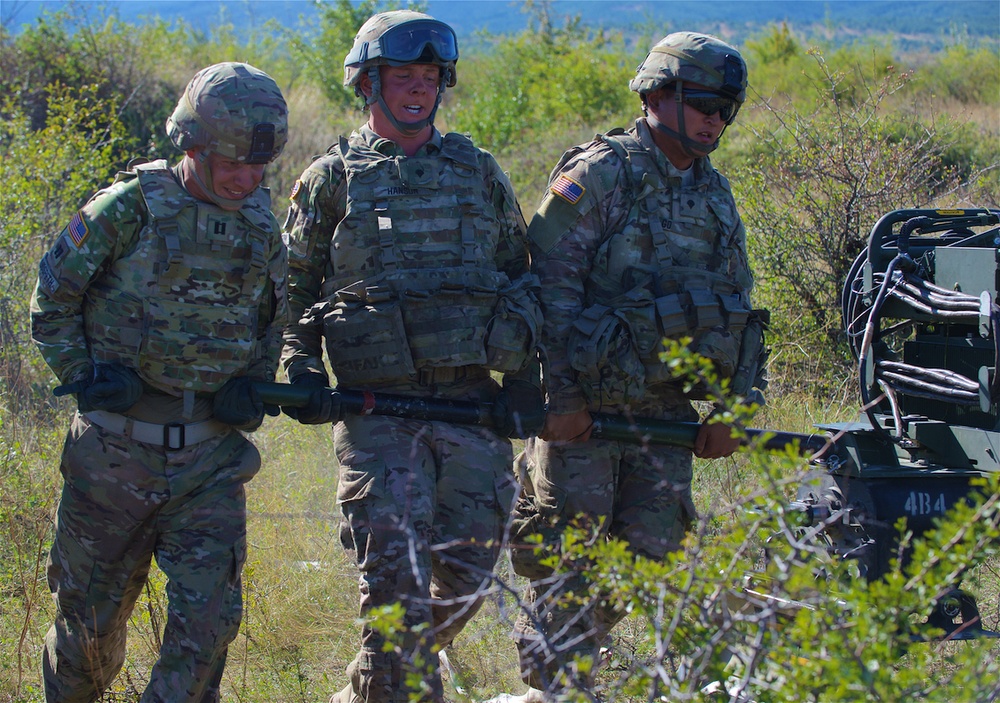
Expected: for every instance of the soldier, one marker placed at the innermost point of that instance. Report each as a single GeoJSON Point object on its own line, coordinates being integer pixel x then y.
{"type": "Point", "coordinates": [157, 305]}
{"type": "Point", "coordinates": [407, 252]}
{"type": "Point", "coordinates": [637, 239]}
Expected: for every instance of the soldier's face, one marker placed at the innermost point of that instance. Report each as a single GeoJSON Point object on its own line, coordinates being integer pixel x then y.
{"type": "Point", "coordinates": [408, 91]}
{"type": "Point", "coordinates": [233, 180]}
{"type": "Point", "coordinates": [699, 127]}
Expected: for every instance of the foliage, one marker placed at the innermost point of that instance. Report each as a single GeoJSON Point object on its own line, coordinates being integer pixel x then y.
{"type": "Point", "coordinates": [963, 73]}
{"type": "Point", "coordinates": [545, 78]}
{"type": "Point", "coordinates": [110, 57]}
{"type": "Point", "coordinates": [321, 51]}
{"type": "Point", "coordinates": [810, 188]}
{"type": "Point", "coordinates": [825, 148]}
{"type": "Point", "coordinates": [755, 606]}
{"type": "Point", "coordinates": [48, 174]}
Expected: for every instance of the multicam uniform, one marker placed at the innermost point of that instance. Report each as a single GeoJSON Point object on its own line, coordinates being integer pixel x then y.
{"type": "Point", "coordinates": [415, 269]}
{"type": "Point", "coordinates": [628, 251]}
{"type": "Point", "coordinates": [188, 295]}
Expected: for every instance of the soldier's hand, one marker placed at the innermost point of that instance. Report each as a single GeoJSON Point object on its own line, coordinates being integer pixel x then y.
{"type": "Point", "coordinates": [323, 406]}
{"type": "Point", "coordinates": [715, 440]}
{"type": "Point", "coordinates": [238, 404]}
{"type": "Point", "coordinates": [519, 409]}
{"type": "Point", "coordinates": [575, 427]}
{"type": "Point", "coordinates": [112, 387]}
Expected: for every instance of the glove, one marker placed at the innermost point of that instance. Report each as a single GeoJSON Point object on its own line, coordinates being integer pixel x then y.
{"type": "Point", "coordinates": [112, 387]}
{"type": "Point", "coordinates": [238, 404]}
{"type": "Point", "coordinates": [324, 404]}
{"type": "Point", "coordinates": [519, 409]}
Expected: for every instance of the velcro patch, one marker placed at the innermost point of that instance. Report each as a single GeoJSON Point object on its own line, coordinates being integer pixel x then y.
{"type": "Point", "coordinates": [77, 230]}
{"type": "Point", "coordinates": [295, 189]}
{"type": "Point", "coordinates": [569, 190]}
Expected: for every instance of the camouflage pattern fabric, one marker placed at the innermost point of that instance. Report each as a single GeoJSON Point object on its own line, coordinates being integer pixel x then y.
{"type": "Point", "coordinates": [223, 109]}
{"type": "Point", "coordinates": [428, 239]}
{"type": "Point", "coordinates": [186, 317]}
{"type": "Point", "coordinates": [123, 502]}
{"type": "Point", "coordinates": [587, 250]}
{"type": "Point", "coordinates": [693, 58]}
{"type": "Point", "coordinates": [425, 505]}
{"type": "Point", "coordinates": [135, 254]}
{"type": "Point", "coordinates": [436, 491]}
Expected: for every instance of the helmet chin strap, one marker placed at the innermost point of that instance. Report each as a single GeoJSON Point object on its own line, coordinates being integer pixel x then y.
{"type": "Point", "coordinates": [407, 129]}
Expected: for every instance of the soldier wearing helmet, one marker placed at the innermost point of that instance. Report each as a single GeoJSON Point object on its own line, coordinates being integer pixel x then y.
{"type": "Point", "coordinates": [157, 305]}
{"type": "Point", "coordinates": [408, 258]}
{"type": "Point", "coordinates": [637, 239]}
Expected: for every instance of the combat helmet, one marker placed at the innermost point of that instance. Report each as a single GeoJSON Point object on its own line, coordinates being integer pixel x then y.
{"type": "Point", "coordinates": [397, 38]}
{"type": "Point", "coordinates": [689, 57]}
{"type": "Point", "coordinates": [234, 110]}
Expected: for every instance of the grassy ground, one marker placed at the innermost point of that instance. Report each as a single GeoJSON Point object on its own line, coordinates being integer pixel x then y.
{"type": "Point", "coordinates": [300, 626]}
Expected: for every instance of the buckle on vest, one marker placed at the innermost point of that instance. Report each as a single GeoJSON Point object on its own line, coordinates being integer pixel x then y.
{"type": "Point", "coordinates": [168, 436]}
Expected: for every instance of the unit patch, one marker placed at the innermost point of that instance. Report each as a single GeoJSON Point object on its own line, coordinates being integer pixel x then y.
{"type": "Point", "coordinates": [47, 279]}
{"type": "Point", "coordinates": [568, 189]}
{"type": "Point", "coordinates": [77, 230]}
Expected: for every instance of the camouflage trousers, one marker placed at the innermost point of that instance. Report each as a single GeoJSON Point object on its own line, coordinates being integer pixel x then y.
{"type": "Point", "coordinates": [122, 504]}
{"type": "Point", "coordinates": [425, 507]}
{"type": "Point", "coordinates": [638, 494]}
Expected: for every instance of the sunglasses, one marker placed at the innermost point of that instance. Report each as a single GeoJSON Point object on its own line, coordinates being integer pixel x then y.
{"type": "Point", "coordinates": [708, 103]}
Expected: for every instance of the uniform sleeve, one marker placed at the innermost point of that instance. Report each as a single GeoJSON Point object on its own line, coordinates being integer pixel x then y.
{"type": "Point", "coordinates": [318, 201]}
{"type": "Point", "coordinates": [273, 310]}
{"type": "Point", "coordinates": [512, 250]}
{"type": "Point", "coordinates": [564, 236]}
{"type": "Point", "coordinates": [82, 252]}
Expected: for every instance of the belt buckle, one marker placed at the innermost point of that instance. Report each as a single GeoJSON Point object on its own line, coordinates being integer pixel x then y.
{"type": "Point", "coordinates": [167, 444]}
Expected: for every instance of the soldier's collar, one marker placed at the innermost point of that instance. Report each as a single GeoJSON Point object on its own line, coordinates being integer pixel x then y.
{"type": "Point", "coordinates": [390, 148]}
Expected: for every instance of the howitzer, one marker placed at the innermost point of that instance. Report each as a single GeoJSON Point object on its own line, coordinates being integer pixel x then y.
{"type": "Point", "coordinates": [614, 427]}
{"type": "Point", "coordinates": [921, 316]}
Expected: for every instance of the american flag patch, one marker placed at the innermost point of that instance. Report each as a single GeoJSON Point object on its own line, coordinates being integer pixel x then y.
{"type": "Point", "coordinates": [77, 230]}
{"type": "Point", "coordinates": [295, 189]}
{"type": "Point", "coordinates": [568, 189]}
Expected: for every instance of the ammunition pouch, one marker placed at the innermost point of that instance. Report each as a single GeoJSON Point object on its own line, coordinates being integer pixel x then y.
{"type": "Point", "coordinates": [750, 369]}
{"type": "Point", "coordinates": [603, 352]}
{"type": "Point", "coordinates": [368, 337]}
{"type": "Point", "coordinates": [408, 321]}
{"type": "Point", "coordinates": [512, 333]}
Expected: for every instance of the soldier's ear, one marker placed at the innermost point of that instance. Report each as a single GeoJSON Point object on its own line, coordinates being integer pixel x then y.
{"type": "Point", "coordinates": [365, 83]}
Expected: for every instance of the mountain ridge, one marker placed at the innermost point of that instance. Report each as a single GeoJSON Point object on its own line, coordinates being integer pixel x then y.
{"type": "Point", "coordinates": [912, 24]}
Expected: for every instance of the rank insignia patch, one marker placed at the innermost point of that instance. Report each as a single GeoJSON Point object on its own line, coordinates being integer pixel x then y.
{"type": "Point", "coordinates": [77, 230]}
{"type": "Point", "coordinates": [568, 189]}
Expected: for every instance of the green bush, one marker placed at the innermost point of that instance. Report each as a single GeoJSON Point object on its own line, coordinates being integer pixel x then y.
{"type": "Point", "coordinates": [49, 173]}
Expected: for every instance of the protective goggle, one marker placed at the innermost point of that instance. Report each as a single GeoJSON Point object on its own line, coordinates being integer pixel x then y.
{"type": "Point", "coordinates": [708, 103]}
{"type": "Point", "coordinates": [407, 42]}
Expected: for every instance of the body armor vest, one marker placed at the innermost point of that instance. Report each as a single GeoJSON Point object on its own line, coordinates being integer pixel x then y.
{"type": "Point", "coordinates": [414, 282]}
{"type": "Point", "coordinates": [181, 305]}
{"type": "Point", "coordinates": [666, 272]}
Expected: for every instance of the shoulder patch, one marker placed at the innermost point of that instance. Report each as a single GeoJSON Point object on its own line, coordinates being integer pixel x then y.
{"type": "Point", "coordinates": [568, 189]}
{"type": "Point", "coordinates": [77, 230]}
{"type": "Point", "coordinates": [295, 189]}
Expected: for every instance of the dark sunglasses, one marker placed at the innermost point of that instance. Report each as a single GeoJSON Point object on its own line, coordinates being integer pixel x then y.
{"type": "Point", "coordinates": [708, 103]}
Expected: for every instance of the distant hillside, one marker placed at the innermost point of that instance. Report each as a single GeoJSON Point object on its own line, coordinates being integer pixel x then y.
{"type": "Point", "coordinates": [913, 25]}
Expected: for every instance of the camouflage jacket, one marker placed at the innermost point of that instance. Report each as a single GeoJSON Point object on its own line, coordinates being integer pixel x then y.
{"type": "Point", "coordinates": [182, 291]}
{"type": "Point", "coordinates": [338, 250]}
{"type": "Point", "coordinates": [591, 247]}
